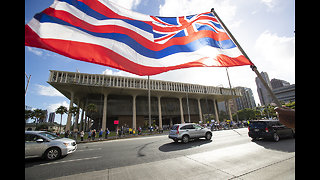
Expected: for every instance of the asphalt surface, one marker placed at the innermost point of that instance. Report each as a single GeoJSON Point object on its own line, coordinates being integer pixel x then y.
{"type": "Point", "coordinates": [230, 154]}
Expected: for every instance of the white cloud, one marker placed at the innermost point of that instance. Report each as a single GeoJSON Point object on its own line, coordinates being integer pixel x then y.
{"type": "Point", "coordinates": [277, 55]}
{"type": "Point", "coordinates": [48, 91]}
{"type": "Point", "coordinates": [53, 107]}
{"type": "Point", "coordinates": [269, 3]}
{"type": "Point", "coordinates": [109, 71]}
{"type": "Point", "coordinates": [35, 51]}
{"type": "Point", "coordinates": [225, 9]}
{"type": "Point", "coordinates": [129, 4]}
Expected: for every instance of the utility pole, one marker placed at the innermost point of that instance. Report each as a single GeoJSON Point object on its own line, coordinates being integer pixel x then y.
{"type": "Point", "coordinates": [25, 92]}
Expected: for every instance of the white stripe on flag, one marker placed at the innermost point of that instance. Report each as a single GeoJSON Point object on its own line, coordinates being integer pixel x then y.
{"type": "Point", "coordinates": [79, 14]}
{"type": "Point", "coordinates": [61, 32]}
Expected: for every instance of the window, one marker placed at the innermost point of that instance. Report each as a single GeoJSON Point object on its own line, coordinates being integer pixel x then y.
{"type": "Point", "coordinates": [31, 137]}
{"type": "Point", "coordinates": [196, 126]}
{"type": "Point", "coordinates": [50, 136]}
{"type": "Point", "coordinates": [190, 126]}
{"type": "Point", "coordinates": [175, 127]}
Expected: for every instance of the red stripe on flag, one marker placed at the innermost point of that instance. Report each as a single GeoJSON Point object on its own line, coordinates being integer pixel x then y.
{"type": "Point", "coordinates": [67, 17]}
{"type": "Point", "coordinates": [104, 56]}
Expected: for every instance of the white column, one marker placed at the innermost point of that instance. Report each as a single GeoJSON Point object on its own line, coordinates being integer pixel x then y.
{"type": "Point", "coordinates": [104, 116]}
{"type": "Point", "coordinates": [75, 124]}
{"type": "Point", "coordinates": [69, 114]}
{"type": "Point", "coordinates": [81, 118]}
{"type": "Point", "coordinates": [216, 111]}
{"type": "Point", "coordinates": [230, 114]}
{"type": "Point", "coordinates": [160, 113]}
{"type": "Point", "coordinates": [200, 111]}
{"type": "Point", "coordinates": [134, 113]}
{"type": "Point", "coordinates": [181, 110]}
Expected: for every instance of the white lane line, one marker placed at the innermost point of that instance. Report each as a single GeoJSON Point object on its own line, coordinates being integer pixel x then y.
{"type": "Point", "coordinates": [88, 149]}
{"type": "Point", "coordinates": [72, 160]}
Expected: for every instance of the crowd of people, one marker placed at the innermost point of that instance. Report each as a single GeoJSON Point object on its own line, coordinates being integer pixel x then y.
{"type": "Point", "coordinates": [285, 115]}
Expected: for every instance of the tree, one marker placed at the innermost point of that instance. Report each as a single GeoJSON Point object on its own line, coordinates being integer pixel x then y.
{"type": "Point", "coordinates": [291, 105]}
{"type": "Point", "coordinates": [246, 114]}
{"type": "Point", "coordinates": [27, 114]}
{"type": "Point", "coordinates": [38, 114]}
{"type": "Point", "coordinates": [91, 108]}
{"type": "Point", "coordinates": [74, 111]}
{"type": "Point", "coordinates": [61, 110]}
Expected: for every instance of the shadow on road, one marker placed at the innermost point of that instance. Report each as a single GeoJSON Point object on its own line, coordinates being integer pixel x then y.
{"type": "Point", "coordinates": [173, 146]}
{"type": "Point", "coordinates": [37, 161]}
{"type": "Point", "coordinates": [285, 145]}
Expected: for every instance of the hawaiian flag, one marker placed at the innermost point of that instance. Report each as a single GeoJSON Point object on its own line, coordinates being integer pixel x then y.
{"type": "Point", "coordinates": [101, 32]}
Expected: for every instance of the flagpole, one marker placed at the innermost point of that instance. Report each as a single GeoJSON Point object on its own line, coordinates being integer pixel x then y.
{"type": "Point", "coordinates": [233, 96]}
{"type": "Point", "coordinates": [253, 67]}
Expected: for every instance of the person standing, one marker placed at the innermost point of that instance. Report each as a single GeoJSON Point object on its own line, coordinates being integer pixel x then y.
{"type": "Point", "coordinates": [93, 134]}
{"type": "Point", "coordinates": [100, 134]}
{"type": "Point", "coordinates": [81, 135]}
{"type": "Point", "coordinates": [89, 134]}
{"type": "Point", "coordinates": [107, 133]}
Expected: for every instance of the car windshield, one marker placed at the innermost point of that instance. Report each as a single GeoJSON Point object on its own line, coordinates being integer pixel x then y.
{"type": "Point", "coordinates": [50, 135]}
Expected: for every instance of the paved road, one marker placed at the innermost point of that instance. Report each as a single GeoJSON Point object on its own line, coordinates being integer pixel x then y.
{"type": "Point", "coordinates": [229, 155]}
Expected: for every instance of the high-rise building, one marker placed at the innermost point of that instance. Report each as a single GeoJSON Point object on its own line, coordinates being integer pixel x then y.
{"type": "Point", "coordinates": [246, 100]}
{"type": "Point", "coordinates": [51, 117]}
{"type": "Point", "coordinates": [277, 83]}
{"type": "Point", "coordinates": [264, 96]}
{"type": "Point", "coordinates": [285, 93]}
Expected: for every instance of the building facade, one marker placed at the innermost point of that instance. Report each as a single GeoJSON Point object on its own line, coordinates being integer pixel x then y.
{"type": "Point", "coordinates": [285, 93]}
{"type": "Point", "coordinates": [246, 100]}
{"type": "Point", "coordinates": [126, 99]}
{"type": "Point", "coordinates": [277, 83]}
{"type": "Point", "coordinates": [264, 96]}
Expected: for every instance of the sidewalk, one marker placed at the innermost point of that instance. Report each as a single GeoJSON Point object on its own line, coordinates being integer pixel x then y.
{"type": "Point", "coordinates": [122, 137]}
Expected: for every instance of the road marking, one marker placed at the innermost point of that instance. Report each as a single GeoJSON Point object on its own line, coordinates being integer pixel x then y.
{"type": "Point", "coordinates": [88, 149]}
{"type": "Point", "coordinates": [72, 160]}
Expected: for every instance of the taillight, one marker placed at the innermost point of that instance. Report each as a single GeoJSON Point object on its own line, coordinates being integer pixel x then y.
{"type": "Point", "coordinates": [267, 130]}
{"type": "Point", "coordinates": [177, 130]}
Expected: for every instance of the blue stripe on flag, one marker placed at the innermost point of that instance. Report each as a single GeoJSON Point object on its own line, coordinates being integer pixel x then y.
{"type": "Point", "coordinates": [139, 48]}
{"type": "Point", "coordinates": [90, 12]}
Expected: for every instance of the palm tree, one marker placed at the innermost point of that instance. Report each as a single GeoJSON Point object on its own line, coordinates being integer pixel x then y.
{"type": "Point", "coordinates": [27, 115]}
{"type": "Point", "coordinates": [91, 108]}
{"type": "Point", "coordinates": [38, 114]}
{"type": "Point", "coordinates": [61, 110]}
{"type": "Point", "coordinates": [74, 111]}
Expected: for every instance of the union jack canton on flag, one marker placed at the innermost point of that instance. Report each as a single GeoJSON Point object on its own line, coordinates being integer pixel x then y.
{"type": "Point", "coordinates": [101, 32]}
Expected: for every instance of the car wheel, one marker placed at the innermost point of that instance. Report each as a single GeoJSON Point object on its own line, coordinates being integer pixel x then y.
{"type": "Point", "coordinates": [276, 137]}
{"type": "Point", "coordinates": [52, 153]}
{"type": "Point", "coordinates": [185, 139]}
{"type": "Point", "coordinates": [208, 136]}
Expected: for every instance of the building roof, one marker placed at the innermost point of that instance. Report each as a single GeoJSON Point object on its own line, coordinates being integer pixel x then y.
{"type": "Point", "coordinates": [82, 84]}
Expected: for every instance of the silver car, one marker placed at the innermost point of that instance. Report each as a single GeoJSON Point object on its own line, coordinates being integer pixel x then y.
{"type": "Point", "coordinates": [47, 145]}
{"type": "Point", "coordinates": [187, 131]}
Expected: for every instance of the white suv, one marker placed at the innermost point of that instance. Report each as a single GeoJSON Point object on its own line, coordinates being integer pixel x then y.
{"type": "Point", "coordinates": [187, 131]}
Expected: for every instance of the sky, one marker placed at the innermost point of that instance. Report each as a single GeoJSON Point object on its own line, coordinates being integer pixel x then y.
{"type": "Point", "coordinates": [263, 28]}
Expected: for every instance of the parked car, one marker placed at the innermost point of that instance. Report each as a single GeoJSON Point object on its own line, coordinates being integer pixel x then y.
{"type": "Point", "coordinates": [187, 131]}
{"type": "Point", "coordinates": [269, 129]}
{"type": "Point", "coordinates": [47, 145]}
